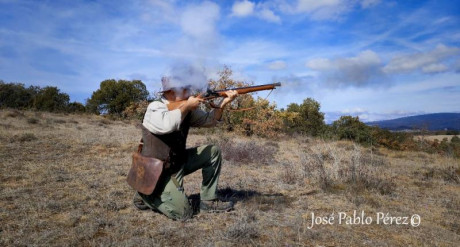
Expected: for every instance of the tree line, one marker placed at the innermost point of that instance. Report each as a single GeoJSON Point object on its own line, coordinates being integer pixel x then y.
{"type": "Point", "coordinates": [128, 99]}
{"type": "Point", "coordinates": [111, 98]}
{"type": "Point", "coordinates": [16, 95]}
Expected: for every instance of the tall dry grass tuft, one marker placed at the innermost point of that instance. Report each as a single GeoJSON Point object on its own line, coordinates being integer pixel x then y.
{"type": "Point", "coordinates": [246, 152]}
{"type": "Point", "coordinates": [336, 167]}
{"type": "Point", "coordinates": [13, 113]}
{"type": "Point", "coordinates": [242, 232]}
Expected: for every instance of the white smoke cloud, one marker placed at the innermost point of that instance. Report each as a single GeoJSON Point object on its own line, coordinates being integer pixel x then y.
{"type": "Point", "coordinates": [196, 47]}
{"type": "Point", "coordinates": [182, 74]}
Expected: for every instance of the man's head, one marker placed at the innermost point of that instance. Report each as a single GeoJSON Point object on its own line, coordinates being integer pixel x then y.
{"type": "Point", "coordinates": [175, 92]}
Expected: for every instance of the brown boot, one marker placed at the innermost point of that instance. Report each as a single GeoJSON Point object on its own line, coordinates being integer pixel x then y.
{"type": "Point", "coordinates": [216, 206]}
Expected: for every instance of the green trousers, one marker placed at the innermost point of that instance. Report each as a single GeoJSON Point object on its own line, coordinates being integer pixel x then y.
{"type": "Point", "coordinates": [171, 200]}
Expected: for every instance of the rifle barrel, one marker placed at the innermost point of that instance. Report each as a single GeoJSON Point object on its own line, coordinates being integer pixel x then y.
{"type": "Point", "coordinates": [253, 88]}
{"type": "Point", "coordinates": [221, 93]}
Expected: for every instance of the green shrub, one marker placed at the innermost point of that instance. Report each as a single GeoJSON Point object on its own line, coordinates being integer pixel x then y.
{"type": "Point", "coordinates": [350, 128]}
{"type": "Point", "coordinates": [304, 118]}
{"type": "Point", "coordinates": [50, 99]}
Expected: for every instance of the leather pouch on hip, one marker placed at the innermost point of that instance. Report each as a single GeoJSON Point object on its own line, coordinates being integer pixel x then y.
{"type": "Point", "coordinates": [144, 173]}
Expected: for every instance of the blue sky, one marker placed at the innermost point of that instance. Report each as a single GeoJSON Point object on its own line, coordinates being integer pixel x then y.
{"type": "Point", "coordinates": [369, 58]}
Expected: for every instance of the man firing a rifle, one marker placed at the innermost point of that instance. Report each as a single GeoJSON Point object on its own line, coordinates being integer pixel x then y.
{"type": "Point", "coordinates": [164, 135]}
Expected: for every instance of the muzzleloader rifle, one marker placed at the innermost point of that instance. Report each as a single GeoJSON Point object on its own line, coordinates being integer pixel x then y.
{"type": "Point", "coordinates": [212, 94]}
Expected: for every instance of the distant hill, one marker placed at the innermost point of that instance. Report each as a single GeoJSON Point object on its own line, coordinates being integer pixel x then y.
{"type": "Point", "coordinates": [435, 121]}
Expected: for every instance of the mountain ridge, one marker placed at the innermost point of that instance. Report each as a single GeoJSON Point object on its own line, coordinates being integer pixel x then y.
{"type": "Point", "coordinates": [432, 122]}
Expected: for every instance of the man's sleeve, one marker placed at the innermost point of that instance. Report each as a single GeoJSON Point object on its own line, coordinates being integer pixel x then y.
{"type": "Point", "coordinates": [201, 118]}
{"type": "Point", "coordinates": [159, 120]}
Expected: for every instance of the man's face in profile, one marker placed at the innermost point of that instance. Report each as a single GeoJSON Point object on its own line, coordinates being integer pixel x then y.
{"type": "Point", "coordinates": [182, 93]}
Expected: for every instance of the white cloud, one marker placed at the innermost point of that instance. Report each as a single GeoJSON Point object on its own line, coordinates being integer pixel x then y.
{"type": "Point", "coordinates": [321, 10]}
{"type": "Point", "coordinates": [317, 10]}
{"type": "Point", "coordinates": [243, 8]}
{"type": "Point", "coordinates": [457, 66]}
{"type": "Point", "coordinates": [369, 116]}
{"type": "Point", "coordinates": [434, 68]}
{"type": "Point", "coordinates": [411, 62]}
{"type": "Point", "coordinates": [369, 3]}
{"type": "Point", "coordinates": [358, 71]}
{"type": "Point", "coordinates": [199, 21]}
{"type": "Point", "coordinates": [268, 15]}
{"type": "Point", "coordinates": [277, 65]}
{"type": "Point", "coordinates": [367, 67]}
{"type": "Point", "coordinates": [160, 11]}
{"type": "Point", "coordinates": [253, 52]}
{"type": "Point", "coordinates": [247, 8]}
{"type": "Point", "coordinates": [356, 110]}
{"type": "Point", "coordinates": [313, 5]}
{"type": "Point", "coordinates": [319, 64]}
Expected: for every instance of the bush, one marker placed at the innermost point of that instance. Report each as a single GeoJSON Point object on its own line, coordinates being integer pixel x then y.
{"type": "Point", "coordinates": [263, 120]}
{"type": "Point", "coordinates": [76, 107]}
{"type": "Point", "coordinates": [136, 110]}
{"type": "Point", "coordinates": [15, 95]}
{"type": "Point", "coordinates": [350, 128]}
{"type": "Point", "coordinates": [304, 118]}
{"type": "Point", "coordinates": [50, 99]}
{"type": "Point", "coordinates": [393, 140]}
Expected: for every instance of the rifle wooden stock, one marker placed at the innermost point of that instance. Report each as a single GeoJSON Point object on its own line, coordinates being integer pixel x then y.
{"type": "Point", "coordinates": [221, 93]}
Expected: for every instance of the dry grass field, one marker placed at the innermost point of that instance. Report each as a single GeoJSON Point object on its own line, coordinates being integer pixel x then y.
{"type": "Point", "coordinates": [63, 184]}
{"type": "Point", "coordinates": [434, 137]}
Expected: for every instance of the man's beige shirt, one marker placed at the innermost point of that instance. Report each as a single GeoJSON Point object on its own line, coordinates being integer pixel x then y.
{"type": "Point", "coordinates": [159, 120]}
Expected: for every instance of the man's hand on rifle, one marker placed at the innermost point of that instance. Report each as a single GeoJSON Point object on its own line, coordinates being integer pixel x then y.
{"type": "Point", "coordinates": [231, 95]}
{"type": "Point", "coordinates": [193, 102]}
{"type": "Point", "coordinates": [189, 105]}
